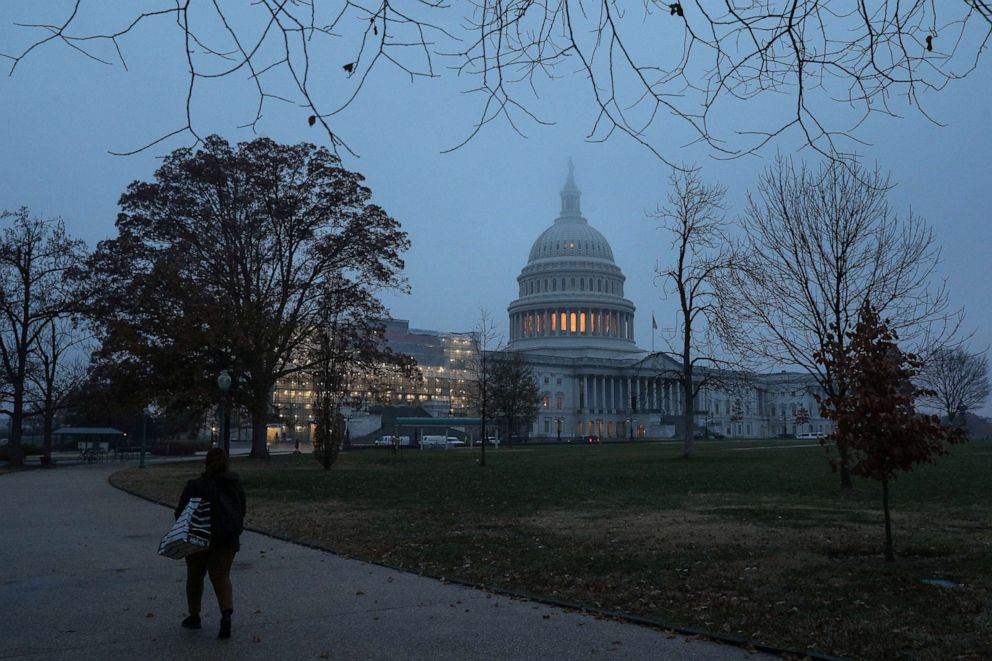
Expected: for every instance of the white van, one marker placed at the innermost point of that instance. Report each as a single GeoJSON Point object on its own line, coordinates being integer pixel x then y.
{"type": "Point", "coordinates": [433, 442]}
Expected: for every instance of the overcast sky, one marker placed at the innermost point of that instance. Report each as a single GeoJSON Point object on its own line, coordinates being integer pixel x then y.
{"type": "Point", "coordinates": [472, 214]}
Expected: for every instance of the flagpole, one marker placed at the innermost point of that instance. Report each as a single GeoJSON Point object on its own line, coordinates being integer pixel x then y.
{"type": "Point", "coordinates": [654, 327]}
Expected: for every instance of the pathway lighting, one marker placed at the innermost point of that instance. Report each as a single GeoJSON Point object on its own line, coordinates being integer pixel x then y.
{"type": "Point", "coordinates": [224, 383]}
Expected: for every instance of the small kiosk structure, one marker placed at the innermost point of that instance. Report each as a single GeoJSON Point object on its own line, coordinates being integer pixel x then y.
{"type": "Point", "coordinates": [93, 443]}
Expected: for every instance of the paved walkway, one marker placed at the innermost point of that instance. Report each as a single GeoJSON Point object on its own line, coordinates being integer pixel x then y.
{"type": "Point", "coordinates": [79, 579]}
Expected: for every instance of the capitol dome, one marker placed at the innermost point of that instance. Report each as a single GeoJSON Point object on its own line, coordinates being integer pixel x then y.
{"type": "Point", "coordinates": [571, 291]}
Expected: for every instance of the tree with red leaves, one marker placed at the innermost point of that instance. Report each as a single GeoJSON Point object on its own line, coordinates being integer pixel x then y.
{"type": "Point", "coordinates": [877, 419]}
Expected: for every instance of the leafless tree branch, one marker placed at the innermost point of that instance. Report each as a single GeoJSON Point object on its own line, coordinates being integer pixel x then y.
{"type": "Point", "coordinates": [652, 73]}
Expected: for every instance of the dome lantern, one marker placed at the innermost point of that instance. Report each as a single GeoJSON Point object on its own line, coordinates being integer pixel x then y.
{"type": "Point", "coordinates": [570, 194]}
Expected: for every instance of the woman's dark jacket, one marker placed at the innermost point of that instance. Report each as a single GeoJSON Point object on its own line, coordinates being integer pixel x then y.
{"type": "Point", "coordinates": [227, 506]}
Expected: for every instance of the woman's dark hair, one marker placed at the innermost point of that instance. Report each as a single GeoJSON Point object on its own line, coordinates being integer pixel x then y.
{"type": "Point", "coordinates": [216, 461]}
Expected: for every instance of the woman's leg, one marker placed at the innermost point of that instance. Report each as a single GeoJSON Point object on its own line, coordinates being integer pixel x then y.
{"type": "Point", "coordinates": [219, 565]}
{"type": "Point", "coordinates": [196, 569]}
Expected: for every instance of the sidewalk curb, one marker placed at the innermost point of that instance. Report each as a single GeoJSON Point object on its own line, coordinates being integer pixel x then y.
{"type": "Point", "coordinates": [620, 616]}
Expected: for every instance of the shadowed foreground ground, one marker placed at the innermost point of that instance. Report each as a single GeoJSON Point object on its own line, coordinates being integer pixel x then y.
{"type": "Point", "coordinates": [748, 539]}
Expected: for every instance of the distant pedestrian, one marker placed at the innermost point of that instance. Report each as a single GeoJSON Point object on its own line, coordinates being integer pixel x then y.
{"type": "Point", "coordinates": [223, 490]}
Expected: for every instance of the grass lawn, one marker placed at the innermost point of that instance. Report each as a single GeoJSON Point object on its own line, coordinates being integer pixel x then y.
{"type": "Point", "coordinates": [759, 543]}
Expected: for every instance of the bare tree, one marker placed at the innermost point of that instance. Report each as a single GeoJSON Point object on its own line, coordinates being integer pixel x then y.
{"type": "Point", "coordinates": [36, 258]}
{"type": "Point", "coordinates": [59, 359]}
{"type": "Point", "coordinates": [487, 346]}
{"type": "Point", "coordinates": [817, 245]}
{"type": "Point", "coordinates": [694, 217]}
{"type": "Point", "coordinates": [956, 380]}
{"type": "Point", "coordinates": [688, 63]}
{"type": "Point", "coordinates": [349, 346]}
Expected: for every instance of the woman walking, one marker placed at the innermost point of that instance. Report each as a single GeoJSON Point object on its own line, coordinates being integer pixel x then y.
{"type": "Point", "coordinates": [223, 490]}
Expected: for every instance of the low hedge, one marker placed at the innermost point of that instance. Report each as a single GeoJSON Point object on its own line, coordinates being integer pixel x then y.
{"type": "Point", "coordinates": [178, 447]}
{"type": "Point", "coordinates": [27, 449]}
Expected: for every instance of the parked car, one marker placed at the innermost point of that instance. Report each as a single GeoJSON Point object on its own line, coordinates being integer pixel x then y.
{"type": "Point", "coordinates": [454, 442]}
{"type": "Point", "coordinates": [811, 435]}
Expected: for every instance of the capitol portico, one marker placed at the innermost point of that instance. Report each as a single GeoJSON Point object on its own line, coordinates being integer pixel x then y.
{"type": "Point", "coordinates": [573, 326]}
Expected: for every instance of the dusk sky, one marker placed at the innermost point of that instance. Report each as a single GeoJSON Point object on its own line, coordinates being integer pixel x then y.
{"type": "Point", "coordinates": [471, 214]}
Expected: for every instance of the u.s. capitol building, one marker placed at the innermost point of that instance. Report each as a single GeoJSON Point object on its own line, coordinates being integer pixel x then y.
{"type": "Point", "coordinates": [575, 329]}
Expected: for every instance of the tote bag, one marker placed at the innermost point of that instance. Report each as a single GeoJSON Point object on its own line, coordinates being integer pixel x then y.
{"type": "Point", "coordinates": [190, 533]}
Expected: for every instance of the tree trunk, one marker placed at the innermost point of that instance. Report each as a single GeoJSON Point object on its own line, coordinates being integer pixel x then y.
{"type": "Point", "coordinates": [845, 468]}
{"type": "Point", "coordinates": [49, 424]}
{"type": "Point", "coordinates": [689, 436]}
{"type": "Point", "coordinates": [259, 427]}
{"type": "Point", "coordinates": [16, 426]}
{"type": "Point", "coordinates": [689, 447]}
{"type": "Point", "coordinates": [482, 454]}
{"type": "Point", "coordinates": [889, 555]}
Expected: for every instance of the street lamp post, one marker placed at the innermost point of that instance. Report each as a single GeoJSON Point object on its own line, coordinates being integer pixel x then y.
{"type": "Point", "coordinates": [223, 383]}
{"type": "Point", "coordinates": [144, 434]}
{"type": "Point", "coordinates": [559, 421]}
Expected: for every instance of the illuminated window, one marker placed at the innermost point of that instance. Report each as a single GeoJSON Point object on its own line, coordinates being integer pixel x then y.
{"type": "Point", "coordinates": [572, 325]}
{"type": "Point", "coordinates": [582, 322]}
{"type": "Point", "coordinates": [544, 401]}
{"type": "Point", "coordinates": [564, 324]}
{"type": "Point", "coordinates": [554, 323]}
{"type": "Point", "coordinates": [592, 323]}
